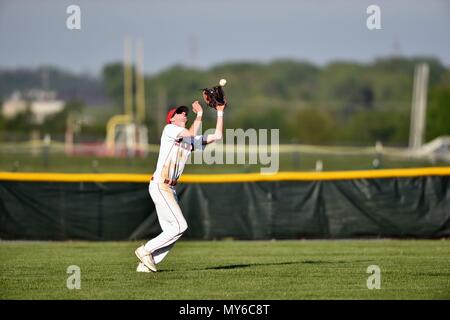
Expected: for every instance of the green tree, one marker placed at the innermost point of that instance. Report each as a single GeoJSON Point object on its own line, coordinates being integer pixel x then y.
{"type": "Point", "coordinates": [113, 80]}
{"type": "Point", "coordinates": [23, 122]}
{"type": "Point", "coordinates": [345, 87]}
{"type": "Point", "coordinates": [438, 113]}
{"type": "Point", "coordinates": [313, 126]}
{"type": "Point", "coordinates": [57, 123]}
{"type": "Point", "coordinates": [368, 127]}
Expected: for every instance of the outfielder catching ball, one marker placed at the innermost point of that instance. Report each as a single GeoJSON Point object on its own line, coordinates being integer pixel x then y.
{"type": "Point", "coordinates": [177, 143]}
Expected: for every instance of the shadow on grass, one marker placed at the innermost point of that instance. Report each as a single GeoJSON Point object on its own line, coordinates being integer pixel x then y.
{"type": "Point", "coordinates": [239, 266]}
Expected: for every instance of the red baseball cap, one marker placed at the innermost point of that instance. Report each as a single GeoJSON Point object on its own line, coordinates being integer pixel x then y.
{"type": "Point", "coordinates": [172, 112]}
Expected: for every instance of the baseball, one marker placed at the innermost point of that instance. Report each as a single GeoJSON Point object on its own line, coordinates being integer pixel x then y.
{"type": "Point", "coordinates": [222, 82]}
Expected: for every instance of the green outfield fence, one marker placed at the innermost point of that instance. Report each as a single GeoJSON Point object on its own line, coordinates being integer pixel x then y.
{"type": "Point", "coordinates": [288, 205]}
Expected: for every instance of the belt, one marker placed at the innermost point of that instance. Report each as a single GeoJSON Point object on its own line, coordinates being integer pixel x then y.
{"type": "Point", "coordinates": [167, 181]}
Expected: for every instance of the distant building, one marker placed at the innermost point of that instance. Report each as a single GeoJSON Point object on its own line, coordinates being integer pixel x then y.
{"type": "Point", "coordinates": [41, 104]}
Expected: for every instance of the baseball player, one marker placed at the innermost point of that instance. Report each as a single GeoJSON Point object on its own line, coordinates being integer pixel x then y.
{"type": "Point", "coordinates": [177, 143]}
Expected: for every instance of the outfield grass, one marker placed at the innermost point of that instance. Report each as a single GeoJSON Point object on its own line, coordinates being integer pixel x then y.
{"type": "Point", "coordinates": [222, 270]}
{"type": "Point", "coordinates": [57, 162]}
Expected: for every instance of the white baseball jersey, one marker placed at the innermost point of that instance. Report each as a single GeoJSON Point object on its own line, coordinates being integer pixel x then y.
{"type": "Point", "coordinates": [174, 152]}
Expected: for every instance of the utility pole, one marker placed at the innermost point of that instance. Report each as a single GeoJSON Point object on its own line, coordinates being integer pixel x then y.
{"type": "Point", "coordinates": [419, 107]}
{"type": "Point", "coordinates": [193, 51]}
{"type": "Point", "coordinates": [140, 84]}
{"type": "Point", "coordinates": [128, 78]}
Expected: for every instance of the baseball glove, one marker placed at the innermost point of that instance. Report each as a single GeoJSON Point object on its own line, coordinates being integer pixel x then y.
{"type": "Point", "coordinates": [214, 96]}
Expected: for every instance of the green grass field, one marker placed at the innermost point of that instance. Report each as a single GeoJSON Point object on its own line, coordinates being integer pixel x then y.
{"type": "Point", "coordinates": [62, 163]}
{"type": "Point", "coordinates": [222, 270]}
{"type": "Point", "coordinates": [58, 162]}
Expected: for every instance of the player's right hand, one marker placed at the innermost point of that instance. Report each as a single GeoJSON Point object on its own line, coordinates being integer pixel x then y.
{"type": "Point", "coordinates": [196, 107]}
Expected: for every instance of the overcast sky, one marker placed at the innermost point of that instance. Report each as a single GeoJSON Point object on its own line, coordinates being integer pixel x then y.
{"type": "Point", "coordinates": [208, 32]}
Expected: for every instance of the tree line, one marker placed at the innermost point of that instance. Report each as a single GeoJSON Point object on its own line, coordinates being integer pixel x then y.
{"type": "Point", "coordinates": [341, 103]}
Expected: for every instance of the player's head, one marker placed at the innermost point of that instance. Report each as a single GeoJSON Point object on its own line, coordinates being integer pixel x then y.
{"type": "Point", "coordinates": [177, 115]}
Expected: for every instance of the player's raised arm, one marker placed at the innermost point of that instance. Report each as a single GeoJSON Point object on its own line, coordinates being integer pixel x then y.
{"type": "Point", "coordinates": [193, 130]}
{"type": "Point", "coordinates": [218, 134]}
{"type": "Point", "coordinates": [197, 109]}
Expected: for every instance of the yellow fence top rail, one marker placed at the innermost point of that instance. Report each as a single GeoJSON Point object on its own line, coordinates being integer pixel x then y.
{"type": "Point", "coordinates": [227, 178]}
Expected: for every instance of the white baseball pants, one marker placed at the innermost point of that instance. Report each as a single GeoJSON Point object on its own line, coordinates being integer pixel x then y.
{"type": "Point", "coordinates": [170, 218]}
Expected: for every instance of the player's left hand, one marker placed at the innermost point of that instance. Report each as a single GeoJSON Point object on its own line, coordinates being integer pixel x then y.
{"type": "Point", "coordinates": [196, 107]}
{"type": "Point", "coordinates": [221, 107]}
